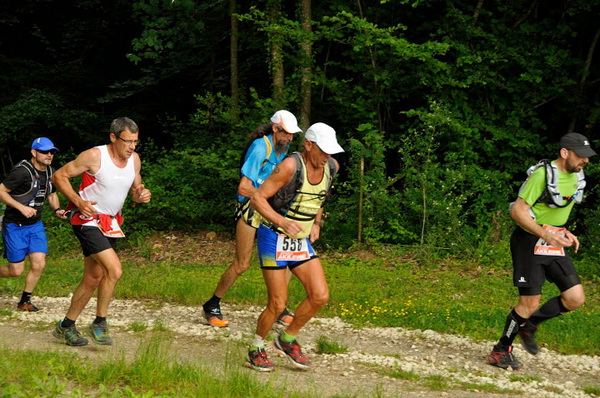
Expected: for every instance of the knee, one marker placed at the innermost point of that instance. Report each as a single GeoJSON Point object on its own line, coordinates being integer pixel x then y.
{"type": "Point", "coordinates": [92, 280]}
{"type": "Point", "coordinates": [115, 274]}
{"type": "Point", "coordinates": [38, 266]}
{"type": "Point", "coordinates": [240, 265]}
{"type": "Point", "coordinates": [15, 272]}
{"type": "Point", "coordinates": [320, 298]}
{"type": "Point", "coordinates": [277, 305]}
{"type": "Point", "coordinates": [573, 302]}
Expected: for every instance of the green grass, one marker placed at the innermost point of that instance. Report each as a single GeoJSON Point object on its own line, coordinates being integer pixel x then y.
{"type": "Point", "coordinates": [152, 373]}
{"type": "Point", "coordinates": [391, 289]}
{"type": "Point", "coordinates": [326, 345]}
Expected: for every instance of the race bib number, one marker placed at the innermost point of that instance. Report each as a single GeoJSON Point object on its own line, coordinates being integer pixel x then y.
{"type": "Point", "coordinates": [543, 248]}
{"type": "Point", "coordinates": [290, 249]}
{"type": "Point", "coordinates": [115, 232]}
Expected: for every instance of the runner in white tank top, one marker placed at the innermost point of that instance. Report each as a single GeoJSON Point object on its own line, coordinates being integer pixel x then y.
{"type": "Point", "coordinates": [109, 173]}
{"type": "Point", "coordinates": [109, 186]}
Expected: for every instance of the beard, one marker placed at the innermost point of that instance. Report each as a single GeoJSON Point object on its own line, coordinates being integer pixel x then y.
{"type": "Point", "coordinates": [281, 146]}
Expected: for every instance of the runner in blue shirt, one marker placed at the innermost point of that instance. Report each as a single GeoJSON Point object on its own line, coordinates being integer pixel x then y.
{"type": "Point", "coordinates": [268, 147]}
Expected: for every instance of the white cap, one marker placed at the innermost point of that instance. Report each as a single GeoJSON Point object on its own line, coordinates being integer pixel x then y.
{"type": "Point", "coordinates": [287, 120]}
{"type": "Point", "coordinates": [324, 137]}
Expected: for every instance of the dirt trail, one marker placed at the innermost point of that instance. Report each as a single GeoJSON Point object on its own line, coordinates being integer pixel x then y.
{"type": "Point", "coordinates": [372, 351]}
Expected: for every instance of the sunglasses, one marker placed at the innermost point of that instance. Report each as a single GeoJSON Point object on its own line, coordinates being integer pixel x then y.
{"type": "Point", "coordinates": [51, 151]}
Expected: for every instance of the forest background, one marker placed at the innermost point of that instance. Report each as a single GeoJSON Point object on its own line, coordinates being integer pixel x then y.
{"type": "Point", "coordinates": [441, 105]}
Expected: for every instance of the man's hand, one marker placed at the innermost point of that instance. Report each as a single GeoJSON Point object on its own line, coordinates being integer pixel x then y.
{"type": "Point", "coordinates": [27, 211]}
{"type": "Point", "coordinates": [291, 228]}
{"type": "Point", "coordinates": [141, 194]}
{"type": "Point", "coordinates": [87, 209]}
{"type": "Point", "coordinates": [561, 240]}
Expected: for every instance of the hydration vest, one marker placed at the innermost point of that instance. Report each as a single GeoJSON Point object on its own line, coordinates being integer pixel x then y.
{"type": "Point", "coordinates": [245, 151]}
{"type": "Point", "coordinates": [285, 197]}
{"type": "Point", "coordinates": [551, 195]}
{"type": "Point", "coordinates": [28, 198]}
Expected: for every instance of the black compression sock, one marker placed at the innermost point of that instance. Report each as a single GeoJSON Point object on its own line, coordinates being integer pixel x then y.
{"type": "Point", "coordinates": [99, 320]}
{"type": "Point", "coordinates": [511, 328]}
{"type": "Point", "coordinates": [552, 308]}
{"type": "Point", "coordinates": [214, 302]}
{"type": "Point", "coordinates": [25, 297]}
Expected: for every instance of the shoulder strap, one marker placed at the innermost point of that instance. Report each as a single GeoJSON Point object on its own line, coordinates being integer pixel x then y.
{"type": "Point", "coordinates": [26, 196]}
{"type": "Point", "coordinates": [269, 148]}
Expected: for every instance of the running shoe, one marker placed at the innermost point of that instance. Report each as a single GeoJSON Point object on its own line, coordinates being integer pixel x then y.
{"type": "Point", "coordinates": [100, 334]}
{"type": "Point", "coordinates": [285, 318]}
{"type": "Point", "coordinates": [69, 336]}
{"type": "Point", "coordinates": [503, 358]}
{"type": "Point", "coordinates": [28, 307]}
{"type": "Point", "coordinates": [258, 360]}
{"type": "Point", "coordinates": [214, 317]}
{"type": "Point", "coordinates": [293, 352]}
{"type": "Point", "coordinates": [527, 333]}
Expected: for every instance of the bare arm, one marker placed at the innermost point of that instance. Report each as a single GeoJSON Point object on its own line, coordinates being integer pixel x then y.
{"type": "Point", "coordinates": [139, 193]}
{"type": "Point", "coordinates": [10, 201]}
{"type": "Point", "coordinates": [54, 203]}
{"type": "Point", "coordinates": [245, 187]}
{"type": "Point", "coordinates": [520, 213]}
{"type": "Point", "coordinates": [277, 180]}
{"type": "Point", "coordinates": [87, 161]}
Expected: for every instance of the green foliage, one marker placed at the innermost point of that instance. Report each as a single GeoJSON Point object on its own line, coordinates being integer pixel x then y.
{"type": "Point", "coordinates": [326, 345]}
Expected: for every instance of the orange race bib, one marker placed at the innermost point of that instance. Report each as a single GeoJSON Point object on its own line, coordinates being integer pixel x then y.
{"type": "Point", "coordinates": [543, 248]}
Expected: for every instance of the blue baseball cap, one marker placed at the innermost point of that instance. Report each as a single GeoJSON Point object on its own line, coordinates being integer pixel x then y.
{"type": "Point", "coordinates": [43, 144]}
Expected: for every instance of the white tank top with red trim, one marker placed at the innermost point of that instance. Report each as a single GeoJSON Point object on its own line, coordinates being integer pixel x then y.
{"type": "Point", "coordinates": [109, 186]}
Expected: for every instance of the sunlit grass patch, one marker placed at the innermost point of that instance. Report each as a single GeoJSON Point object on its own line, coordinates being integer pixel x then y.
{"type": "Point", "coordinates": [489, 388]}
{"type": "Point", "coordinates": [437, 383]}
{"type": "Point", "coordinates": [592, 390]}
{"type": "Point", "coordinates": [326, 345]}
{"type": "Point", "coordinates": [137, 326]}
{"type": "Point", "coordinates": [6, 312]}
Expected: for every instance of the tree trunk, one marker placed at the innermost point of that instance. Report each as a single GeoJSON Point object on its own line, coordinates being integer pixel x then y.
{"type": "Point", "coordinates": [306, 68]}
{"type": "Point", "coordinates": [276, 55]}
{"type": "Point", "coordinates": [235, 95]}
{"type": "Point", "coordinates": [585, 72]}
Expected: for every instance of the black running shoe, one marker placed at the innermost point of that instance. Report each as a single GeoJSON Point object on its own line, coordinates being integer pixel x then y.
{"type": "Point", "coordinates": [503, 358]}
{"type": "Point", "coordinates": [214, 317]}
{"type": "Point", "coordinates": [69, 336]}
{"type": "Point", "coordinates": [527, 333]}
{"type": "Point", "coordinates": [28, 307]}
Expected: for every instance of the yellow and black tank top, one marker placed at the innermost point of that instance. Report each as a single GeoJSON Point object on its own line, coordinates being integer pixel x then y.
{"type": "Point", "coordinates": [300, 200]}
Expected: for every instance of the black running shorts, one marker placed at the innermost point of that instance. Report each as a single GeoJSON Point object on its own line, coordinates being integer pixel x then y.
{"type": "Point", "coordinates": [92, 241]}
{"type": "Point", "coordinates": [530, 271]}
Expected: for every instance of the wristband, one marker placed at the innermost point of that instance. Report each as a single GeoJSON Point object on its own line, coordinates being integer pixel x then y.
{"type": "Point", "coordinates": [60, 208]}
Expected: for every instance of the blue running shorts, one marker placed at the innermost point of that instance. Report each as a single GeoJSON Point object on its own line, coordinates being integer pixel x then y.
{"type": "Point", "coordinates": [20, 240]}
{"type": "Point", "coordinates": [292, 253]}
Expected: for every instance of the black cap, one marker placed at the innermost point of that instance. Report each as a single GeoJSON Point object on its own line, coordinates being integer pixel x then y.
{"type": "Point", "coordinates": [577, 143]}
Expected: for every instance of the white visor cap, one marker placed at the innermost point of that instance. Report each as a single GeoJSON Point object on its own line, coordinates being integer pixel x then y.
{"type": "Point", "coordinates": [324, 136]}
{"type": "Point", "coordinates": [287, 120]}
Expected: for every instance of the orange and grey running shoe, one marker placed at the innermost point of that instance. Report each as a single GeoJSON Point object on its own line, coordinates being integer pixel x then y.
{"type": "Point", "coordinates": [214, 317]}
{"type": "Point", "coordinates": [258, 360]}
{"type": "Point", "coordinates": [293, 352]}
{"type": "Point", "coordinates": [28, 307]}
{"type": "Point", "coordinates": [503, 358]}
{"type": "Point", "coordinates": [285, 318]}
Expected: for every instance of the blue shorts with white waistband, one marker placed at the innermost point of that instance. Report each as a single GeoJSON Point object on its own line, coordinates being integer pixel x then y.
{"type": "Point", "coordinates": [267, 249]}
{"type": "Point", "coordinates": [20, 240]}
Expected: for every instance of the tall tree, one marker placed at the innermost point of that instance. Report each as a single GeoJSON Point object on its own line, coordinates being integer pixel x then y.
{"type": "Point", "coordinates": [234, 43]}
{"type": "Point", "coordinates": [306, 68]}
{"type": "Point", "coordinates": [276, 52]}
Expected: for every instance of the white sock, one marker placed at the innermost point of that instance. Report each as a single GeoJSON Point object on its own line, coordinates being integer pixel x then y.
{"type": "Point", "coordinates": [258, 341]}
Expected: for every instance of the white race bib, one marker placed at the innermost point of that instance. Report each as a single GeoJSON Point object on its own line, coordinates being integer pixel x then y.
{"type": "Point", "coordinates": [290, 249]}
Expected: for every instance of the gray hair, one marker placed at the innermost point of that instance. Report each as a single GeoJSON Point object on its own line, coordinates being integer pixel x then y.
{"type": "Point", "coordinates": [120, 124]}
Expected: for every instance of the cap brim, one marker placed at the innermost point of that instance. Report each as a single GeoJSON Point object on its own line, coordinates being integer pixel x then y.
{"type": "Point", "coordinates": [585, 152]}
{"type": "Point", "coordinates": [292, 129]}
{"type": "Point", "coordinates": [47, 149]}
{"type": "Point", "coordinates": [331, 148]}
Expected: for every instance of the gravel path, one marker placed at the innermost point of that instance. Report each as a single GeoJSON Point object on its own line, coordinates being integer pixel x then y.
{"type": "Point", "coordinates": [430, 359]}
